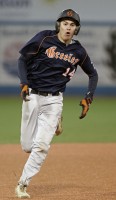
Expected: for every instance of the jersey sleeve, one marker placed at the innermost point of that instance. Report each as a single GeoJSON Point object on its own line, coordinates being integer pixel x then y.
{"type": "Point", "coordinates": [30, 49]}
{"type": "Point", "coordinates": [88, 67]}
{"type": "Point", "coordinates": [22, 70]}
{"type": "Point", "coordinates": [32, 46]}
{"type": "Point", "coordinates": [27, 52]}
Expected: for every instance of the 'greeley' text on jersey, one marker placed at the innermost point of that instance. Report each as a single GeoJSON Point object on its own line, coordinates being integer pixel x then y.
{"type": "Point", "coordinates": [51, 53]}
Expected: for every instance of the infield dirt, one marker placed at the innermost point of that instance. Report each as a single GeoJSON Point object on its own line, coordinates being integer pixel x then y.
{"type": "Point", "coordinates": [70, 172]}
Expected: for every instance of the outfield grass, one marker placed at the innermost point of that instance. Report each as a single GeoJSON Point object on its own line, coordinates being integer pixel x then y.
{"type": "Point", "coordinates": [10, 109]}
{"type": "Point", "coordinates": [98, 126]}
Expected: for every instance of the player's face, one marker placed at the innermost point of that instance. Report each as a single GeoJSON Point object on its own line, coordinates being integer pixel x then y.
{"type": "Point", "coordinates": [67, 29]}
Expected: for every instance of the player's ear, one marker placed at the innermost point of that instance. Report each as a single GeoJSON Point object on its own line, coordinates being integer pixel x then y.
{"type": "Point", "coordinates": [77, 30]}
{"type": "Point", "coordinates": [57, 26]}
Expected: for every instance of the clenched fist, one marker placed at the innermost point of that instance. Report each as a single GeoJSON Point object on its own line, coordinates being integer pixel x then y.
{"type": "Point", "coordinates": [85, 103]}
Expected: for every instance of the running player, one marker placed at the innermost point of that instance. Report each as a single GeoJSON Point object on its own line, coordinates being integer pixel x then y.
{"type": "Point", "coordinates": [47, 63]}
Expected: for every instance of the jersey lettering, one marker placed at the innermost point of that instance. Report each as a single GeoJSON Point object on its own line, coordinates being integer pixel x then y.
{"type": "Point", "coordinates": [51, 53]}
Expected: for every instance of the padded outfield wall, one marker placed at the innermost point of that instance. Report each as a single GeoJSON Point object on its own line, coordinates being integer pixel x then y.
{"type": "Point", "coordinates": [21, 19]}
{"type": "Point", "coordinates": [94, 36]}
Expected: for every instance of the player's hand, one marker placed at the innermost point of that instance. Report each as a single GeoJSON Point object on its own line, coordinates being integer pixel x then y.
{"type": "Point", "coordinates": [59, 129]}
{"type": "Point", "coordinates": [24, 92]}
{"type": "Point", "coordinates": [85, 103]}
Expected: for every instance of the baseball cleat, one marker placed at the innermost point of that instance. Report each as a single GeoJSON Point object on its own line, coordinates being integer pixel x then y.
{"type": "Point", "coordinates": [20, 192]}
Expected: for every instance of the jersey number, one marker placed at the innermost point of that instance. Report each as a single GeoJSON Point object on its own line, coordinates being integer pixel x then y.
{"type": "Point", "coordinates": [71, 74]}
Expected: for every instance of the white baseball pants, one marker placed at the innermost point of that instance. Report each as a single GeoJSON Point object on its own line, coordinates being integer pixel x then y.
{"type": "Point", "coordinates": [40, 117]}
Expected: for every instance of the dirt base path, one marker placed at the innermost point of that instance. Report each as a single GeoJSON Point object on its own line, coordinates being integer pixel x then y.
{"type": "Point", "coordinates": [70, 172]}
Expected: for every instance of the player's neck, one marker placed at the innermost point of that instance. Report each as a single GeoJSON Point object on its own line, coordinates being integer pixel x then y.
{"type": "Point", "coordinates": [67, 42]}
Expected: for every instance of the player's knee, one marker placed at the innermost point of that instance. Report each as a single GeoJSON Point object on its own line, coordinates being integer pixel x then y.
{"type": "Point", "coordinates": [41, 146]}
{"type": "Point", "coordinates": [26, 147]}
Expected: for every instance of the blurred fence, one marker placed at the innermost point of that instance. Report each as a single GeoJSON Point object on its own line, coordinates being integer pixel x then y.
{"type": "Point", "coordinates": [94, 36]}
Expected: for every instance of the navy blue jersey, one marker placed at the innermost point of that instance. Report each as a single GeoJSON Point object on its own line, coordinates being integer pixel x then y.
{"type": "Point", "coordinates": [47, 64]}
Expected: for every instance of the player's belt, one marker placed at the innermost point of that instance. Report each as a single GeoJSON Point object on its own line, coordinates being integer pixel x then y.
{"type": "Point", "coordinates": [44, 93]}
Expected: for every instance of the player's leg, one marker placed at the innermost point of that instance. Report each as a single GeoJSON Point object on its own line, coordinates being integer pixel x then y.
{"type": "Point", "coordinates": [47, 123]}
{"type": "Point", "coordinates": [29, 122]}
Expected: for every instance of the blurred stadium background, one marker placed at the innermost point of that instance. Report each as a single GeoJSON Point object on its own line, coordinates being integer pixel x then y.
{"type": "Point", "coordinates": [22, 19]}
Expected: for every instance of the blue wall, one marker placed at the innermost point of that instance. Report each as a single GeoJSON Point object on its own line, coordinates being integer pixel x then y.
{"type": "Point", "coordinates": [100, 91]}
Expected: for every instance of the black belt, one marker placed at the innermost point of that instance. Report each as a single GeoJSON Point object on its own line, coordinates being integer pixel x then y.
{"type": "Point", "coordinates": [45, 93]}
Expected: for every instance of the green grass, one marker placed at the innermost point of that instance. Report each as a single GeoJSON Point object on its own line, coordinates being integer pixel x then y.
{"type": "Point", "coordinates": [10, 109]}
{"type": "Point", "coordinates": [98, 126]}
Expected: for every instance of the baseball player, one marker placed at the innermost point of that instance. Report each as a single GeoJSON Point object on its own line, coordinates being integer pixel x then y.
{"type": "Point", "coordinates": [47, 63]}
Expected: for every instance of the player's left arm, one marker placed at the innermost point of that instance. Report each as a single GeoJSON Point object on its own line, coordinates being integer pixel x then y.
{"type": "Point", "coordinates": [88, 67]}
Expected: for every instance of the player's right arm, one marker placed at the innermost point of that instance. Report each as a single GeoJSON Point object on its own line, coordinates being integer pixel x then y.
{"type": "Point", "coordinates": [28, 52]}
{"type": "Point", "coordinates": [22, 72]}
{"type": "Point", "coordinates": [30, 49]}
